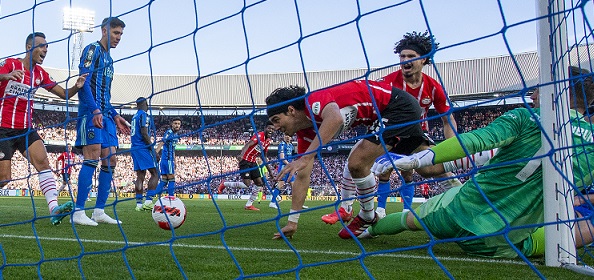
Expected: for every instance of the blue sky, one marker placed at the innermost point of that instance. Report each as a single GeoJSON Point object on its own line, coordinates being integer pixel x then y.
{"type": "Point", "coordinates": [270, 25]}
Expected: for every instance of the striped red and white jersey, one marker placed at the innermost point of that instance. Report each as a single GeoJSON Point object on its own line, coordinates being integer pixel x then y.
{"type": "Point", "coordinates": [254, 151]}
{"type": "Point", "coordinates": [16, 97]}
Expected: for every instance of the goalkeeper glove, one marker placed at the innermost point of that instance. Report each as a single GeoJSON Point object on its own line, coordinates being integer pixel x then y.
{"type": "Point", "coordinates": [383, 164]}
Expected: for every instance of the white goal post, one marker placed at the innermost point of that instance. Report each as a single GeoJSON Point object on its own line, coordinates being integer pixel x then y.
{"type": "Point", "coordinates": [553, 73]}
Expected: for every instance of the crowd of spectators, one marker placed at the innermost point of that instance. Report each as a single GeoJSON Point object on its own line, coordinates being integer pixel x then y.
{"type": "Point", "coordinates": [198, 173]}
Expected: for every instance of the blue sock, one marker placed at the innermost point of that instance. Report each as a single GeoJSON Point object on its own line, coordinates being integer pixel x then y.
{"type": "Point", "coordinates": [275, 193]}
{"type": "Point", "coordinates": [150, 194]}
{"type": "Point", "coordinates": [383, 190]}
{"type": "Point", "coordinates": [138, 198]}
{"type": "Point", "coordinates": [105, 177]}
{"type": "Point", "coordinates": [85, 181]}
{"type": "Point", "coordinates": [171, 188]}
{"type": "Point", "coordinates": [407, 192]}
{"type": "Point", "coordinates": [160, 186]}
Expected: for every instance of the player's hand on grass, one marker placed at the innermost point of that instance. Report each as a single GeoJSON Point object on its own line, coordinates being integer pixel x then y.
{"type": "Point", "coordinates": [287, 230]}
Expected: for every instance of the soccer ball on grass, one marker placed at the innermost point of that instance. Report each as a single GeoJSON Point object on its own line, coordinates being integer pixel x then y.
{"type": "Point", "coordinates": [169, 212]}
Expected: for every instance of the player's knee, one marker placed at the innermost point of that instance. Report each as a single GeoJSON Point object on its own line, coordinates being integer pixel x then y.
{"type": "Point", "coordinates": [107, 169]}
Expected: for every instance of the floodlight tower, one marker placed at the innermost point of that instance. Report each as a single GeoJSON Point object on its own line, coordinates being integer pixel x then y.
{"type": "Point", "coordinates": [78, 21]}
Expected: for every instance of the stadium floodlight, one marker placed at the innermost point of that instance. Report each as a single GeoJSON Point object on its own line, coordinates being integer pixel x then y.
{"type": "Point", "coordinates": [77, 21]}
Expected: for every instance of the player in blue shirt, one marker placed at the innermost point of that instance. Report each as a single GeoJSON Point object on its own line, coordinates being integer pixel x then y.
{"type": "Point", "coordinates": [167, 163]}
{"type": "Point", "coordinates": [143, 155]}
{"type": "Point", "coordinates": [96, 126]}
{"type": "Point", "coordinates": [285, 153]}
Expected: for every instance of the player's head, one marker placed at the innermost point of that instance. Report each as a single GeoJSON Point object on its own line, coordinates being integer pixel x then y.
{"type": "Point", "coordinates": [269, 129]}
{"type": "Point", "coordinates": [287, 138]}
{"type": "Point", "coordinates": [535, 96]}
{"type": "Point", "coordinates": [112, 29]}
{"type": "Point", "coordinates": [282, 107]}
{"type": "Point", "coordinates": [581, 88]}
{"type": "Point", "coordinates": [420, 43]}
{"type": "Point", "coordinates": [36, 47]}
{"type": "Point", "coordinates": [176, 124]}
{"type": "Point", "coordinates": [69, 148]}
{"type": "Point", "coordinates": [141, 103]}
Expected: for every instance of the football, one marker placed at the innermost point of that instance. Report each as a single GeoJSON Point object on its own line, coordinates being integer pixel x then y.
{"type": "Point", "coordinates": [169, 212]}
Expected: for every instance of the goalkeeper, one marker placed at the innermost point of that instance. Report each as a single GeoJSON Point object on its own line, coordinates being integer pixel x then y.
{"type": "Point", "coordinates": [510, 182]}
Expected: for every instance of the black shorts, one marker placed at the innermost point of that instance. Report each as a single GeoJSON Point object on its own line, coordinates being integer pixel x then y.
{"type": "Point", "coordinates": [249, 170]}
{"type": "Point", "coordinates": [16, 139]}
{"type": "Point", "coordinates": [401, 118]}
{"type": "Point", "coordinates": [66, 177]}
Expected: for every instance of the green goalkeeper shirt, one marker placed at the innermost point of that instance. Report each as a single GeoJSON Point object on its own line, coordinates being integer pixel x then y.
{"type": "Point", "coordinates": [512, 180]}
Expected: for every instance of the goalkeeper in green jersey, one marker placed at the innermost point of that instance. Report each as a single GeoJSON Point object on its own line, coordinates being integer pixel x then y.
{"type": "Point", "coordinates": [507, 193]}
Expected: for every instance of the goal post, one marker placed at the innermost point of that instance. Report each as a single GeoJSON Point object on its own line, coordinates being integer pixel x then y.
{"type": "Point", "coordinates": [553, 53]}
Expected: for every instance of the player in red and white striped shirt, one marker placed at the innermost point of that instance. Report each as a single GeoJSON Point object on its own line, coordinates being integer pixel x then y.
{"type": "Point", "coordinates": [64, 164]}
{"type": "Point", "coordinates": [19, 80]}
{"type": "Point", "coordinates": [251, 163]}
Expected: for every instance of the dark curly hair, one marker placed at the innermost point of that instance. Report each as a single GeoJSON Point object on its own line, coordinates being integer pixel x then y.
{"type": "Point", "coordinates": [422, 43]}
{"type": "Point", "coordinates": [281, 98]}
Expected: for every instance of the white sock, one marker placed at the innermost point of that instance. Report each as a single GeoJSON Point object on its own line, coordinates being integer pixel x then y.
{"type": "Point", "coordinates": [47, 184]}
{"type": "Point", "coordinates": [365, 187]}
{"type": "Point", "coordinates": [348, 191]}
{"type": "Point", "coordinates": [479, 159]}
{"type": "Point", "coordinates": [235, 185]}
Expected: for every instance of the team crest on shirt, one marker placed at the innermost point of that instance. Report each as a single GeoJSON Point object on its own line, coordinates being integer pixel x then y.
{"type": "Point", "coordinates": [88, 59]}
{"type": "Point", "coordinates": [315, 108]}
{"type": "Point", "coordinates": [426, 101]}
{"type": "Point", "coordinates": [91, 134]}
{"type": "Point", "coordinates": [37, 81]}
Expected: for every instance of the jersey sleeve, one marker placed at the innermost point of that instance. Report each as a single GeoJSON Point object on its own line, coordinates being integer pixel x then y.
{"type": "Point", "coordinates": [47, 81]}
{"type": "Point", "coordinates": [144, 121]}
{"type": "Point", "coordinates": [318, 101]}
{"type": "Point", "coordinates": [6, 66]}
{"type": "Point", "coordinates": [440, 101]}
{"type": "Point", "coordinates": [501, 132]}
{"type": "Point", "coordinates": [389, 79]}
{"type": "Point", "coordinates": [87, 65]}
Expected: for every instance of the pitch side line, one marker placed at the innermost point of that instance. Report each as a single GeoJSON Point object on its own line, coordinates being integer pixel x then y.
{"type": "Point", "coordinates": [181, 245]}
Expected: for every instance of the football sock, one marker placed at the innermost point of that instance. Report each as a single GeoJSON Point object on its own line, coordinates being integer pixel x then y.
{"type": "Point", "coordinates": [383, 190]}
{"type": "Point", "coordinates": [171, 188]}
{"type": "Point", "coordinates": [392, 224]}
{"type": "Point", "coordinates": [47, 184]}
{"type": "Point", "coordinates": [274, 195]}
{"type": "Point", "coordinates": [150, 194]}
{"type": "Point", "coordinates": [104, 186]}
{"type": "Point", "coordinates": [138, 199]}
{"type": "Point", "coordinates": [365, 189]}
{"type": "Point", "coordinates": [348, 191]}
{"type": "Point", "coordinates": [85, 182]}
{"type": "Point", "coordinates": [407, 192]}
{"type": "Point", "coordinates": [235, 185]}
{"type": "Point", "coordinates": [160, 186]}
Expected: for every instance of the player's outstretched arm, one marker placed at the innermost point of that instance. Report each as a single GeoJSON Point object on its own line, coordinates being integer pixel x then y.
{"type": "Point", "coordinates": [299, 194]}
{"type": "Point", "coordinates": [62, 93]}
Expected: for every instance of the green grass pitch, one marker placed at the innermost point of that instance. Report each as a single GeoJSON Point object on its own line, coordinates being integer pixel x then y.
{"type": "Point", "coordinates": [223, 241]}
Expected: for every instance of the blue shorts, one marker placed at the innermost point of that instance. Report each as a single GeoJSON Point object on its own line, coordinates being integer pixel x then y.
{"type": "Point", "coordinates": [167, 167]}
{"type": "Point", "coordinates": [88, 134]}
{"type": "Point", "coordinates": [143, 158]}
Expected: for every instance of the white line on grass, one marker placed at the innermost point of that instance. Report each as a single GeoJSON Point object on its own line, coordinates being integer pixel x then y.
{"type": "Point", "coordinates": [393, 255]}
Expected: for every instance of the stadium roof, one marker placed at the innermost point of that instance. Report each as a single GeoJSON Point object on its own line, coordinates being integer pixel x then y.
{"type": "Point", "coordinates": [463, 80]}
